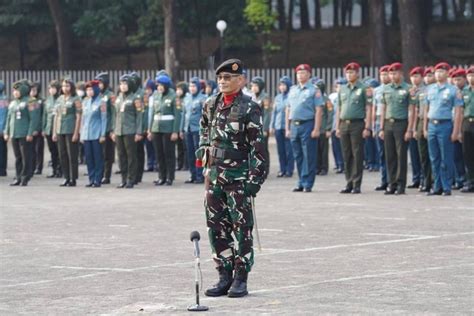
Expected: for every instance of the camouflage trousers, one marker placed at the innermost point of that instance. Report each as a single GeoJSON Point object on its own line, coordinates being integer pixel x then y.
{"type": "Point", "coordinates": [229, 215]}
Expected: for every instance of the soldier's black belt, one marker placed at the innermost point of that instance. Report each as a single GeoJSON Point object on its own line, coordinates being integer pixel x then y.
{"type": "Point", "coordinates": [352, 121]}
{"type": "Point", "coordinates": [469, 119]}
{"type": "Point", "coordinates": [437, 122]}
{"type": "Point", "coordinates": [300, 122]}
{"type": "Point", "coordinates": [220, 153]}
{"type": "Point", "coordinates": [392, 120]}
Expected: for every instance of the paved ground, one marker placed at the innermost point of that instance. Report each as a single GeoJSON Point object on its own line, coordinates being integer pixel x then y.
{"type": "Point", "coordinates": [76, 251]}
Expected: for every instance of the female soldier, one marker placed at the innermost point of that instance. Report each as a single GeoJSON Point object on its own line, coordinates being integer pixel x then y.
{"type": "Point", "coordinates": [49, 115]}
{"type": "Point", "coordinates": [128, 130]}
{"type": "Point", "coordinates": [93, 129]}
{"type": "Point", "coordinates": [66, 131]}
{"type": "Point", "coordinates": [38, 140]}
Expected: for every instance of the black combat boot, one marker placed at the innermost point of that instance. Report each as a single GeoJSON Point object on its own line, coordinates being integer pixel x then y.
{"type": "Point", "coordinates": [222, 286]}
{"type": "Point", "coordinates": [239, 286]}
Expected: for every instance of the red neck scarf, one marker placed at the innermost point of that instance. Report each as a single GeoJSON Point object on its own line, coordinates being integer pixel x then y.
{"type": "Point", "coordinates": [228, 99]}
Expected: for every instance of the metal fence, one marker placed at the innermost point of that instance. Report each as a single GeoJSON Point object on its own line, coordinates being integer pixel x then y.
{"type": "Point", "coordinates": [271, 75]}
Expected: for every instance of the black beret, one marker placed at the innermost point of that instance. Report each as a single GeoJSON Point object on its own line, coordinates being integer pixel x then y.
{"type": "Point", "coordinates": [233, 66]}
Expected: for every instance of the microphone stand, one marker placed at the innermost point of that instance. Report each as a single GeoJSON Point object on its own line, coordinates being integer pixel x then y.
{"type": "Point", "coordinates": [197, 268]}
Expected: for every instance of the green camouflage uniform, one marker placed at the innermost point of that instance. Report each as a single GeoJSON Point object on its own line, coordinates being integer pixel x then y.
{"type": "Point", "coordinates": [232, 150]}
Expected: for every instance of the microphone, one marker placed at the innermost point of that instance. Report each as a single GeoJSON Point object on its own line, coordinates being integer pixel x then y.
{"type": "Point", "coordinates": [195, 237]}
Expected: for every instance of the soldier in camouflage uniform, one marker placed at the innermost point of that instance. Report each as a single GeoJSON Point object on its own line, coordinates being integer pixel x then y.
{"type": "Point", "coordinates": [22, 120]}
{"type": "Point", "coordinates": [261, 98]}
{"type": "Point", "coordinates": [232, 150]}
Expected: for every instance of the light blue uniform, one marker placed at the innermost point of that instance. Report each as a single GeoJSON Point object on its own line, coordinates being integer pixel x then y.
{"type": "Point", "coordinates": [192, 111]}
{"type": "Point", "coordinates": [278, 123]}
{"type": "Point", "coordinates": [93, 127]}
{"type": "Point", "coordinates": [441, 101]}
{"type": "Point", "coordinates": [303, 102]}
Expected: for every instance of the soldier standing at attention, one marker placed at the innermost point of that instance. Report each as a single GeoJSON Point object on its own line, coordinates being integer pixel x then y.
{"type": "Point", "coordinates": [459, 81]}
{"type": "Point", "coordinates": [285, 152]}
{"type": "Point", "coordinates": [66, 131]}
{"type": "Point", "coordinates": [441, 98]}
{"type": "Point", "coordinates": [353, 125]}
{"type": "Point", "coordinates": [376, 114]}
{"type": "Point", "coordinates": [38, 140]}
{"type": "Point", "coordinates": [164, 129]}
{"type": "Point", "coordinates": [322, 166]}
{"type": "Point", "coordinates": [3, 122]}
{"type": "Point", "coordinates": [257, 86]}
{"type": "Point", "coordinates": [335, 141]}
{"type": "Point", "coordinates": [128, 130]}
{"type": "Point", "coordinates": [303, 126]}
{"type": "Point", "coordinates": [396, 128]}
{"type": "Point", "coordinates": [150, 88]}
{"type": "Point", "coordinates": [191, 114]}
{"type": "Point", "coordinates": [108, 146]}
{"type": "Point", "coordinates": [93, 129]}
{"type": "Point", "coordinates": [49, 116]}
{"type": "Point", "coordinates": [418, 93]}
{"type": "Point", "coordinates": [22, 119]}
{"type": "Point", "coordinates": [468, 131]}
{"type": "Point", "coordinates": [232, 150]}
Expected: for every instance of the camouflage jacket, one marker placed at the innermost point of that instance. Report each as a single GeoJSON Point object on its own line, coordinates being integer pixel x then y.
{"type": "Point", "coordinates": [231, 144]}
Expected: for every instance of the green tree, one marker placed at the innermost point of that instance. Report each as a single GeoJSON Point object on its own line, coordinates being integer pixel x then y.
{"type": "Point", "coordinates": [262, 20]}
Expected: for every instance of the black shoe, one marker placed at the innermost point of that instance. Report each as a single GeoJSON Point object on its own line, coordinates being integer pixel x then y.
{"type": "Point", "coordinates": [288, 175]}
{"type": "Point", "coordinates": [323, 173]}
{"type": "Point", "coordinates": [381, 187]}
{"type": "Point", "coordinates": [191, 180]}
{"type": "Point", "coordinates": [222, 286]}
{"type": "Point", "coordinates": [458, 186]}
{"type": "Point", "coordinates": [59, 175]}
{"type": "Point", "coordinates": [121, 185]}
{"type": "Point", "coordinates": [307, 190]}
{"type": "Point", "coordinates": [65, 183]}
{"type": "Point", "coordinates": [280, 174]}
{"type": "Point", "coordinates": [159, 182]}
{"type": "Point", "coordinates": [129, 185]}
{"type": "Point", "coordinates": [3, 174]}
{"type": "Point", "coordinates": [239, 286]}
{"type": "Point", "coordinates": [105, 181]}
{"type": "Point", "coordinates": [178, 168]}
{"type": "Point", "coordinates": [38, 172]}
{"type": "Point", "coordinates": [118, 172]}
{"type": "Point", "coordinates": [399, 192]}
{"type": "Point", "coordinates": [89, 185]}
{"type": "Point", "coordinates": [446, 193]}
{"type": "Point", "coordinates": [340, 171]}
{"type": "Point", "coordinates": [414, 185]}
{"type": "Point", "coordinates": [200, 181]}
{"type": "Point", "coordinates": [298, 189]}
{"type": "Point", "coordinates": [24, 183]}
{"type": "Point", "coordinates": [96, 185]}
{"type": "Point", "coordinates": [150, 169]}
{"type": "Point", "coordinates": [468, 189]}
{"type": "Point", "coordinates": [52, 175]}
{"type": "Point", "coordinates": [169, 182]}
{"type": "Point", "coordinates": [15, 183]}
{"type": "Point", "coordinates": [424, 189]}
{"type": "Point", "coordinates": [347, 190]}
{"type": "Point", "coordinates": [431, 193]}
{"type": "Point", "coordinates": [355, 191]}
{"type": "Point", "coordinates": [72, 183]}
{"type": "Point", "coordinates": [390, 191]}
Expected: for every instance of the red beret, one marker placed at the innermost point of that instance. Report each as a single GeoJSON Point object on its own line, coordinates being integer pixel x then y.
{"type": "Point", "coordinates": [352, 66]}
{"type": "Point", "coordinates": [451, 71]}
{"type": "Point", "coordinates": [91, 83]}
{"type": "Point", "coordinates": [442, 65]}
{"type": "Point", "coordinates": [384, 68]}
{"type": "Point", "coordinates": [416, 71]}
{"type": "Point", "coordinates": [459, 73]}
{"type": "Point", "coordinates": [428, 70]}
{"type": "Point", "coordinates": [395, 67]}
{"type": "Point", "coordinates": [470, 70]}
{"type": "Point", "coordinates": [303, 67]}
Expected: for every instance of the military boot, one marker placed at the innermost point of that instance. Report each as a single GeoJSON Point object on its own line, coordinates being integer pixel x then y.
{"type": "Point", "coordinates": [222, 286]}
{"type": "Point", "coordinates": [239, 286]}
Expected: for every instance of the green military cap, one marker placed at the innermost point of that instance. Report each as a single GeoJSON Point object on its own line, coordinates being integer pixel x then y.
{"type": "Point", "coordinates": [233, 66]}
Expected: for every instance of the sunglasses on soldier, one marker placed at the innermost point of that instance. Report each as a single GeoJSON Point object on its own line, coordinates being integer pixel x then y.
{"type": "Point", "coordinates": [226, 77]}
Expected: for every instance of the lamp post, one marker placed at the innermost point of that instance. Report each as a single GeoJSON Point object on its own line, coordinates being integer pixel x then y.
{"type": "Point", "coordinates": [221, 25]}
